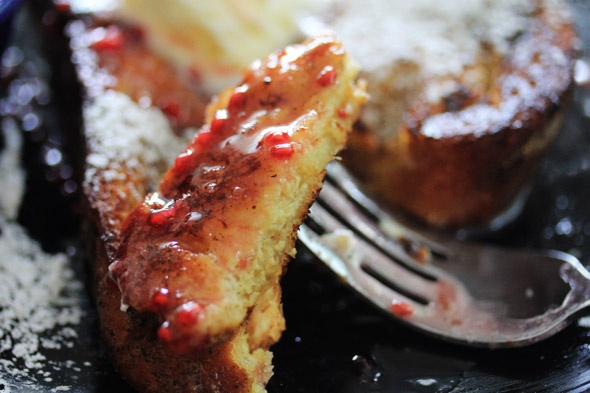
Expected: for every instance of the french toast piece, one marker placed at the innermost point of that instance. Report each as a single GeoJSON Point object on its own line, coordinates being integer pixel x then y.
{"type": "Point", "coordinates": [213, 241]}
{"type": "Point", "coordinates": [456, 147]}
{"type": "Point", "coordinates": [257, 170]}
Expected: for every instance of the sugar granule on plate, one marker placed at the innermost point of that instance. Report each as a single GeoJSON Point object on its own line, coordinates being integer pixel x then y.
{"type": "Point", "coordinates": [39, 294]}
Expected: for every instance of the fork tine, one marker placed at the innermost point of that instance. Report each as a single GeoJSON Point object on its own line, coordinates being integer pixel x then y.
{"type": "Point", "coordinates": [362, 258]}
{"type": "Point", "coordinates": [336, 204]}
{"type": "Point", "coordinates": [340, 178]}
{"type": "Point", "coordinates": [381, 295]}
{"type": "Point", "coordinates": [462, 302]}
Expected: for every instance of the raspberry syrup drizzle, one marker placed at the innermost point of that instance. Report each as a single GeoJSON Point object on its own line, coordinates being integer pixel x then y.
{"type": "Point", "coordinates": [252, 135]}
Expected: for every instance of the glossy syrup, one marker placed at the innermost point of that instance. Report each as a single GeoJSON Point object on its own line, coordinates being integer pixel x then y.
{"type": "Point", "coordinates": [248, 145]}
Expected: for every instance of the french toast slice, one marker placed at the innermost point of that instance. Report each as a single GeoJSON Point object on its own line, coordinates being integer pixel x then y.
{"type": "Point", "coordinates": [136, 109]}
{"type": "Point", "coordinates": [462, 107]}
{"type": "Point", "coordinates": [204, 249]}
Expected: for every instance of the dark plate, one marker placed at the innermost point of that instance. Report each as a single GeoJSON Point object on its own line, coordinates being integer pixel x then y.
{"type": "Point", "coordinates": [334, 342]}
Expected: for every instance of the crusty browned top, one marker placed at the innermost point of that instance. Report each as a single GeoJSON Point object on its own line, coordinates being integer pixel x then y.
{"type": "Point", "coordinates": [113, 55]}
{"type": "Point", "coordinates": [513, 88]}
{"type": "Point", "coordinates": [462, 159]}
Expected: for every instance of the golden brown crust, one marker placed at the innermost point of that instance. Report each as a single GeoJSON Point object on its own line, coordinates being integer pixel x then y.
{"type": "Point", "coordinates": [136, 353]}
{"type": "Point", "coordinates": [122, 53]}
{"type": "Point", "coordinates": [462, 160]}
{"type": "Point", "coordinates": [209, 244]}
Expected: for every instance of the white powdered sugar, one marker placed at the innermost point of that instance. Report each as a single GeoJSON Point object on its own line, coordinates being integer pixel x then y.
{"type": "Point", "coordinates": [39, 304]}
{"type": "Point", "coordinates": [119, 130]}
{"type": "Point", "coordinates": [423, 48]}
{"type": "Point", "coordinates": [39, 295]}
{"type": "Point", "coordinates": [442, 36]}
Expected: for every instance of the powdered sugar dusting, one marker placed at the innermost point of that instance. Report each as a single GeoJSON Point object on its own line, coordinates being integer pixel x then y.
{"type": "Point", "coordinates": [423, 50]}
{"type": "Point", "coordinates": [39, 295]}
{"type": "Point", "coordinates": [442, 36]}
{"type": "Point", "coordinates": [119, 130]}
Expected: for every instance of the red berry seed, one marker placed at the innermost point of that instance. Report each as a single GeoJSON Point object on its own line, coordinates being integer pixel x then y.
{"type": "Point", "coordinates": [111, 38]}
{"type": "Point", "coordinates": [401, 309]}
{"type": "Point", "coordinates": [171, 107]}
{"type": "Point", "coordinates": [188, 314]}
{"type": "Point", "coordinates": [219, 121]}
{"type": "Point", "coordinates": [282, 151]}
{"type": "Point", "coordinates": [327, 76]}
{"type": "Point", "coordinates": [184, 161]}
{"type": "Point", "coordinates": [164, 333]}
{"type": "Point", "coordinates": [204, 136]}
{"type": "Point", "coordinates": [277, 138]}
{"type": "Point", "coordinates": [161, 298]}
{"type": "Point", "coordinates": [162, 216]}
{"type": "Point", "coordinates": [280, 144]}
{"type": "Point", "coordinates": [238, 99]}
{"type": "Point", "coordinates": [342, 113]}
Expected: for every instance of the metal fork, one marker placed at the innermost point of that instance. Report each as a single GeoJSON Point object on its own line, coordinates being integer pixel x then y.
{"type": "Point", "coordinates": [475, 294]}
